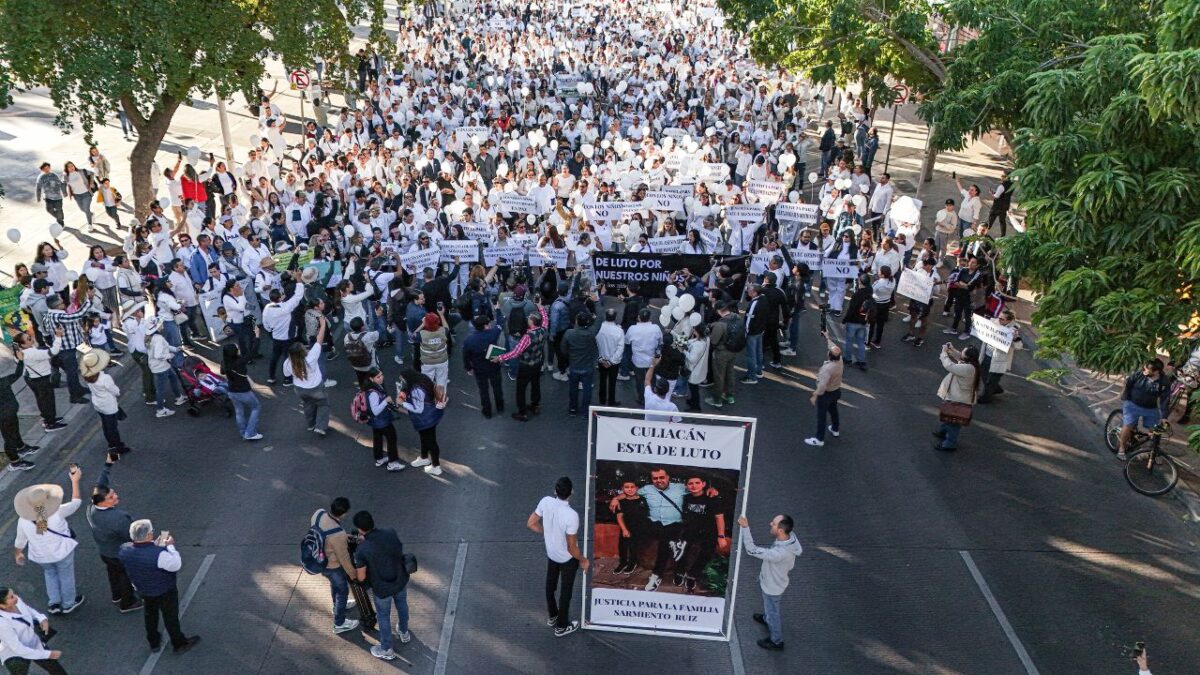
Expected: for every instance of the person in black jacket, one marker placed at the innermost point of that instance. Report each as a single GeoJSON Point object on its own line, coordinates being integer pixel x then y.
{"type": "Point", "coordinates": [634, 303]}
{"type": "Point", "coordinates": [855, 320]}
{"type": "Point", "coordinates": [110, 529]}
{"type": "Point", "coordinates": [14, 446]}
{"type": "Point", "coordinates": [477, 364]}
{"type": "Point", "coordinates": [756, 323]}
{"type": "Point", "coordinates": [1144, 399]}
{"type": "Point", "coordinates": [777, 305]}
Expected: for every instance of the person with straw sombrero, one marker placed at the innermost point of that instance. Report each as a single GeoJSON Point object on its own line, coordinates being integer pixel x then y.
{"type": "Point", "coordinates": [42, 528]}
{"type": "Point", "coordinates": [105, 395]}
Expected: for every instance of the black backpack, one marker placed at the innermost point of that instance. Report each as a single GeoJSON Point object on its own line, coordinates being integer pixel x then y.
{"type": "Point", "coordinates": [518, 321]}
{"type": "Point", "coordinates": [357, 353]}
{"type": "Point", "coordinates": [735, 333]}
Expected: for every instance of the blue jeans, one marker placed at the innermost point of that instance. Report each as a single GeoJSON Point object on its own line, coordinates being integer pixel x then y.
{"type": "Point", "coordinates": [166, 378]}
{"type": "Point", "coordinates": [794, 332]}
{"type": "Point", "coordinates": [399, 337]}
{"type": "Point", "coordinates": [951, 435]}
{"type": "Point", "coordinates": [60, 581]}
{"type": "Point", "coordinates": [855, 347]}
{"type": "Point", "coordinates": [574, 379]}
{"type": "Point", "coordinates": [339, 588]}
{"type": "Point", "coordinates": [962, 227]}
{"type": "Point", "coordinates": [383, 607]}
{"type": "Point", "coordinates": [754, 355]}
{"type": "Point", "coordinates": [771, 614]}
{"type": "Point", "coordinates": [246, 407]}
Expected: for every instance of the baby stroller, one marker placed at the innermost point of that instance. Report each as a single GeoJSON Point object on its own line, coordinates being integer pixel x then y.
{"type": "Point", "coordinates": [203, 387]}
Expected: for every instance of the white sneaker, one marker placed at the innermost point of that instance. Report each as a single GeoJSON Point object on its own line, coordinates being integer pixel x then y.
{"type": "Point", "coordinates": [623, 378]}
{"type": "Point", "coordinates": [423, 461]}
{"type": "Point", "coordinates": [655, 580]}
{"type": "Point", "coordinates": [381, 461]}
{"type": "Point", "coordinates": [319, 432]}
{"type": "Point", "coordinates": [328, 384]}
{"type": "Point", "coordinates": [396, 466]}
{"type": "Point", "coordinates": [906, 319]}
{"type": "Point", "coordinates": [433, 470]}
{"type": "Point", "coordinates": [404, 637]}
{"type": "Point", "coordinates": [561, 377]}
{"type": "Point", "coordinates": [348, 624]}
{"type": "Point", "coordinates": [814, 442]}
{"type": "Point", "coordinates": [164, 412]}
{"type": "Point", "coordinates": [833, 431]}
{"type": "Point", "coordinates": [181, 400]}
{"type": "Point", "coordinates": [351, 603]}
{"type": "Point", "coordinates": [788, 352]}
{"type": "Point", "coordinates": [255, 437]}
{"type": "Point", "coordinates": [398, 360]}
{"type": "Point", "coordinates": [380, 653]}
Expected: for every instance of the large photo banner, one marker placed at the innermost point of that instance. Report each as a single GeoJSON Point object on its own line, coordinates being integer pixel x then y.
{"type": "Point", "coordinates": [663, 503]}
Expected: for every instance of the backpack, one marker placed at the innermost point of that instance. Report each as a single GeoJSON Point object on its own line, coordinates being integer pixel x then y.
{"type": "Point", "coordinates": [357, 353]}
{"type": "Point", "coordinates": [517, 320]}
{"type": "Point", "coordinates": [360, 408]}
{"type": "Point", "coordinates": [735, 334]}
{"type": "Point", "coordinates": [312, 547]}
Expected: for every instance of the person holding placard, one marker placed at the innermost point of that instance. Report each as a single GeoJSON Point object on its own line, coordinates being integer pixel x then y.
{"type": "Point", "coordinates": [997, 362]}
{"type": "Point", "coordinates": [918, 312]}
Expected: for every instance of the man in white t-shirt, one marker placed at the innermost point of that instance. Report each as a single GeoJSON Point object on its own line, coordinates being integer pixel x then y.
{"type": "Point", "coordinates": [559, 524]}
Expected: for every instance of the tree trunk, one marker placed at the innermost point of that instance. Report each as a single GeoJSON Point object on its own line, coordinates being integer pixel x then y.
{"type": "Point", "coordinates": [931, 154]}
{"type": "Point", "coordinates": [151, 131]}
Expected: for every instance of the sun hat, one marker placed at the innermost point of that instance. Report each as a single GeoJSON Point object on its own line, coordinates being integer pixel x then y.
{"type": "Point", "coordinates": [38, 502]}
{"type": "Point", "coordinates": [93, 363]}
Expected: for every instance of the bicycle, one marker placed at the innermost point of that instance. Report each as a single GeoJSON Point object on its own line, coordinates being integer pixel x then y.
{"type": "Point", "coordinates": [1149, 470]}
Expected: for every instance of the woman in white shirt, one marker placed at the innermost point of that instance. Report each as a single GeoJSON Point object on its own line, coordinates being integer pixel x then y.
{"type": "Point", "coordinates": [105, 395]}
{"type": "Point", "coordinates": [79, 187]}
{"type": "Point", "coordinates": [968, 210]}
{"type": "Point", "coordinates": [303, 365]}
{"type": "Point", "coordinates": [881, 292]}
{"type": "Point", "coordinates": [42, 529]}
{"type": "Point", "coordinates": [98, 270]}
{"type": "Point", "coordinates": [159, 354]}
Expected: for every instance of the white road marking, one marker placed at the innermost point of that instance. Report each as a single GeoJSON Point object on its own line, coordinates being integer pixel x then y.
{"type": "Point", "coordinates": [735, 651]}
{"type": "Point", "coordinates": [190, 593]}
{"type": "Point", "coordinates": [443, 655]}
{"type": "Point", "coordinates": [1015, 641]}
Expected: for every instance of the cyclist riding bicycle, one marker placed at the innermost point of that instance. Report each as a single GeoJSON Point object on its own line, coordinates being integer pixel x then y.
{"type": "Point", "coordinates": [1144, 397]}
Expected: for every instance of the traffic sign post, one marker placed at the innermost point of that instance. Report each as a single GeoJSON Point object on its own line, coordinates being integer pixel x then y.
{"type": "Point", "coordinates": [299, 79]}
{"type": "Point", "coordinates": [899, 96]}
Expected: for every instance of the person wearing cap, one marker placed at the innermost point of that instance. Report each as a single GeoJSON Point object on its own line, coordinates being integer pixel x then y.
{"type": "Point", "coordinates": [20, 642]}
{"type": "Point", "coordinates": [39, 372]}
{"type": "Point", "coordinates": [105, 396]}
{"type": "Point", "coordinates": [153, 565]}
{"type": "Point", "coordinates": [42, 528]}
{"type": "Point", "coordinates": [158, 358]}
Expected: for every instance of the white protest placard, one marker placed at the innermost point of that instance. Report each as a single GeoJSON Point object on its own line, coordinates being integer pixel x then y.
{"type": "Point", "coordinates": [473, 132]}
{"type": "Point", "coordinates": [667, 244]}
{"type": "Point", "coordinates": [415, 261]}
{"type": "Point", "coordinates": [660, 200]}
{"type": "Point", "coordinates": [805, 214]}
{"type": "Point", "coordinates": [479, 231]}
{"type": "Point", "coordinates": [759, 261]}
{"type": "Point", "coordinates": [915, 285]}
{"type": "Point", "coordinates": [507, 254]}
{"type": "Point", "coordinates": [674, 132]}
{"type": "Point", "coordinates": [744, 214]}
{"type": "Point", "coordinates": [991, 332]}
{"type": "Point", "coordinates": [808, 256]}
{"type": "Point", "coordinates": [710, 237]}
{"type": "Point", "coordinates": [682, 192]}
{"type": "Point", "coordinates": [832, 268]}
{"type": "Point", "coordinates": [604, 234]}
{"type": "Point", "coordinates": [466, 250]}
{"type": "Point", "coordinates": [714, 171]}
{"type": "Point", "coordinates": [511, 202]}
{"type": "Point", "coordinates": [764, 191]}
{"type": "Point", "coordinates": [606, 212]}
{"type": "Point", "coordinates": [526, 240]}
{"type": "Point", "coordinates": [549, 257]}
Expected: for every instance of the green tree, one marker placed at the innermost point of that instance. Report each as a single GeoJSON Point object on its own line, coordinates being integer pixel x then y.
{"type": "Point", "coordinates": [146, 57]}
{"type": "Point", "coordinates": [1109, 167]}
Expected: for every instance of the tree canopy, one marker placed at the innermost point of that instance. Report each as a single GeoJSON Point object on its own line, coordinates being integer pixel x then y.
{"type": "Point", "coordinates": [148, 56]}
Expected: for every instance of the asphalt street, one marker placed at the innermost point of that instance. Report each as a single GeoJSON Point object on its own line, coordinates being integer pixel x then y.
{"type": "Point", "coordinates": [1075, 562]}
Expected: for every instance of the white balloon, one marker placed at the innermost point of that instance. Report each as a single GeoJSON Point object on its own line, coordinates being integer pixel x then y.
{"type": "Point", "coordinates": [531, 219]}
{"type": "Point", "coordinates": [239, 171]}
{"type": "Point", "coordinates": [865, 188]}
{"type": "Point", "coordinates": [255, 140]}
{"type": "Point", "coordinates": [812, 176]}
{"type": "Point", "coordinates": [793, 196]}
{"type": "Point", "coordinates": [514, 145]}
{"type": "Point", "coordinates": [502, 169]}
{"type": "Point", "coordinates": [671, 291]}
{"type": "Point", "coordinates": [554, 145]}
{"type": "Point", "coordinates": [664, 319]}
{"type": "Point", "coordinates": [694, 319]}
{"type": "Point", "coordinates": [514, 134]}
{"type": "Point", "coordinates": [164, 202]}
{"type": "Point", "coordinates": [678, 313]}
{"type": "Point", "coordinates": [389, 144]}
{"type": "Point", "coordinates": [279, 184]}
{"type": "Point", "coordinates": [687, 301]}
{"type": "Point", "coordinates": [14, 235]}
{"type": "Point", "coordinates": [348, 231]}
{"type": "Point", "coordinates": [72, 276]}
{"type": "Point", "coordinates": [55, 230]}
{"type": "Point", "coordinates": [193, 154]}
{"type": "Point", "coordinates": [545, 164]}
{"type": "Point", "coordinates": [273, 171]}
{"type": "Point", "coordinates": [588, 150]}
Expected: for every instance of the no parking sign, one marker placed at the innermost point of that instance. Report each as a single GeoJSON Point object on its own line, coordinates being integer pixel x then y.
{"type": "Point", "coordinates": [299, 79]}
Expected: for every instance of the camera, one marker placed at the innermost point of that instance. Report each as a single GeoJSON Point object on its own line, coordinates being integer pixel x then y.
{"type": "Point", "coordinates": [1135, 651]}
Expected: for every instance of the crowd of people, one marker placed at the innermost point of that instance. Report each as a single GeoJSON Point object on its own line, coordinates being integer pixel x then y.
{"type": "Point", "coordinates": [451, 203]}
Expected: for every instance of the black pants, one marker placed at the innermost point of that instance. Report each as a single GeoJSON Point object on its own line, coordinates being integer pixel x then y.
{"type": "Point", "coordinates": [627, 547]}
{"type": "Point", "coordinates": [19, 666]}
{"type": "Point", "coordinates": [771, 342]}
{"type": "Point", "coordinates": [875, 330]}
{"type": "Point", "coordinates": [700, 549]}
{"type": "Point", "coordinates": [560, 576]}
{"type": "Point", "coordinates": [560, 354]}
{"type": "Point", "coordinates": [639, 385]}
{"type": "Point", "coordinates": [429, 446]}
{"type": "Point", "coordinates": [54, 208]}
{"type": "Point", "coordinates": [693, 399]}
{"type": "Point", "coordinates": [68, 360]}
{"type": "Point", "coordinates": [378, 435]}
{"type": "Point", "coordinates": [608, 384]}
{"type": "Point", "coordinates": [279, 349]}
{"type": "Point", "coordinates": [827, 408]}
{"type": "Point", "coordinates": [112, 435]}
{"type": "Point", "coordinates": [665, 534]}
{"type": "Point", "coordinates": [1001, 216]}
{"type": "Point", "coordinates": [168, 605]}
{"type": "Point", "coordinates": [991, 382]}
{"type": "Point", "coordinates": [118, 582]}
{"type": "Point", "coordinates": [142, 360]}
{"type": "Point", "coordinates": [43, 393]}
{"type": "Point", "coordinates": [10, 428]}
{"type": "Point", "coordinates": [962, 310]}
{"type": "Point", "coordinates": [529, 377]}
{"type": "Point", "coordinates": [489, 386]}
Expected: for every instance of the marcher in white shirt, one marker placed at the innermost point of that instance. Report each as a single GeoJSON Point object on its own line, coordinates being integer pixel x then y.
{"type": "Point", "coordinates": [42, 528]}
{"type": "Point", "coordinates": [277, 320]}
{"type": "Point", "coordinates": [19, 642]}
{"type": "Point", "coordinates": [105, 396]}
{"type": "Point", "coordinates": [610, 343]}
